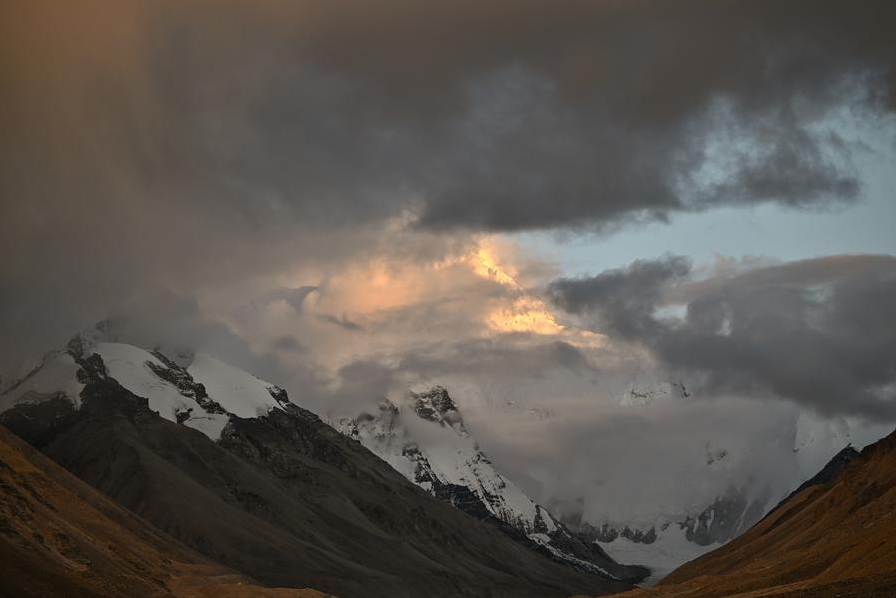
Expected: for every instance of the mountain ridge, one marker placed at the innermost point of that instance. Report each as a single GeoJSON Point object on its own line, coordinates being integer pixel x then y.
{"type": "Point", "coordinates": [281, 496]}
{"type": "Point", "coordinates": [59, 536]}
{"type": "Point", "coordinates": [425, 439]}
{"type": "Point", "coordinates": [830, 538]}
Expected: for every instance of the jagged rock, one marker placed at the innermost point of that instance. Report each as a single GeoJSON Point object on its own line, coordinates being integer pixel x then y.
{"type": "Point", "coordinates": [454, 469]}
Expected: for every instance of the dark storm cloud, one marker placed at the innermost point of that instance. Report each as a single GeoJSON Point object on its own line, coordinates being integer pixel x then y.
{"type": "Point", "coordinates": [580, 114]}
{"type": "Point", "coordinates": [821, 331]}
{"type": "Point", "coordinates": [624, 299]}
{"type": "Point", "coordinates": [185, 143]}
{"type": "Point", "coordinates": [497, 115]}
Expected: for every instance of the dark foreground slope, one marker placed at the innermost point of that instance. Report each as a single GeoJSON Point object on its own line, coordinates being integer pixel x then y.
{"type": "Point", "coordinates": [60, 537]}
{"type": "Point", "coordinates": [833, 538]}
{"type": "Point", "coordinates": [287, 500]}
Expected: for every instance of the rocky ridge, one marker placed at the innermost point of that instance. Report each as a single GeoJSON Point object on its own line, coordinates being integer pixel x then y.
{"type": "Point", "coordinates": [265, 487]}
{"type": "Point", "coordinates": [425, 439]}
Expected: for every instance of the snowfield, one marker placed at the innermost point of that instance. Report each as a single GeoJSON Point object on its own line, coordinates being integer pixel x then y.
{"type": "Point", "coordinates": [236, 392]}
{"type": "Point", "coordinates": [56, 373]}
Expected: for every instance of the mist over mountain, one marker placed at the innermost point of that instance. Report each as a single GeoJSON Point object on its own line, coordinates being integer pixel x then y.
{"type": "Point", "coordinates": [226, 464]}
{"type": "Point", "coordinates": [645, 247]}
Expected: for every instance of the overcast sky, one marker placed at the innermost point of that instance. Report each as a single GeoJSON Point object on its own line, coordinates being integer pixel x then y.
{"type": "Point", "coordinates": [538, 204]}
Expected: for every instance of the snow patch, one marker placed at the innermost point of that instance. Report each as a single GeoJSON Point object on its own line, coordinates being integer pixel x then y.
{"type": "Point", "coordinates": [545, 540]}
{"type": "Point", "coordinates": [670, 550]}
{"type": "Point", "coordinates": [58, 373]}
{"type": "Point", "coordinates": [210, 424]}
{"type": "Point", "coordinates": [128, 365]}
{"type": "Point", "coordinates": [237, 391]}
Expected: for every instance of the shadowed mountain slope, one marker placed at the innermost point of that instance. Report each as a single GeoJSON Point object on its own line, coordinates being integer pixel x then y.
{"type": "Point", "coordinates": [424, 438]}
{"type": "Point", "coordinates": [285, 499]}
{"type": "Point", "coordinates": [60, 537]}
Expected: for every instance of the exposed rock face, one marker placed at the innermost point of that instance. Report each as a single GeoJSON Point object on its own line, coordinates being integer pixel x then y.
{"type": "Point", "coordinates": [183, 381]}
{"type": "Point", "coordinates": [281, 497]}
{"type": "Point", "coordinates": [644, 396]}
{"type": "Point", "coordinates": [437, 406]}
{"type": "Point", "coordinates": [425, 439]}
{"type": "Point", "coordinates": [725, 518]}
{"type": "Point", "coordinates": [456, 495]}
{"type": "Point", "coordinates": [607, 533]}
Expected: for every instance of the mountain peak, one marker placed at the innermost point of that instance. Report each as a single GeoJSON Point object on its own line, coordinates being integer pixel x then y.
{"type": "Point", "coordinates": [264, 487]}
{"type": "Point", "coordinates": [436, 405]}
{"type": "Point", "coordinates": [434, 451]}
{"type": "Point", "coordinates": [203, 395]}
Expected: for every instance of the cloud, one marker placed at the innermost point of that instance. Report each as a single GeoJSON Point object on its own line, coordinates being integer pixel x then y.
{"type": "Point", "coordinates": [191, 144]}
{"type": "Point", "coordinates": [591, 457]}
{"type": "Point", "coordinates": [158, 318]}
{"type": "Point", "coordinates": [272, 114]}
{"type": "Point", "coordinates": [514, 355]}
{"type": "Point", "coordinates": [624, 299]}
{"type": "Point", "coordinates": [342, 322]}
{"type": "Point", "coordinates": [287, 344]}
{"type": "Point", "coordinates": [294, 297]}
{"type": "Point", "coordinates": [819, 331]}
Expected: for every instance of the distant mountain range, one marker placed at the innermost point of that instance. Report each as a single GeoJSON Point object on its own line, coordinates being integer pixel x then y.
{"type": "Point", "coordinates": [423, 436]}
{"type": "Point", "coordinates": [213, 482]}
{"type": "Point", "coordinates": [229, 467]}
{"type": "Point", "coordinates": [834, 536]}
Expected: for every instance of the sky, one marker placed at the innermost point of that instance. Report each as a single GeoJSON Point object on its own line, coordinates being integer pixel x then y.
{"type": "Point", "coordinates": [540, 205]}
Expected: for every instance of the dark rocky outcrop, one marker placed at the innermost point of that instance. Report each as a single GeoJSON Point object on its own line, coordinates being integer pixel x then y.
{"type": "Point", "coordinates": [725, 518]}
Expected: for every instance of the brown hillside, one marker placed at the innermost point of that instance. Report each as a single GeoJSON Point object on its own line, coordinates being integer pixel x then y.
{"type": "Point", "coordinates": [837, 539]}
{"type": "Point", "coordinates": [60, 537]}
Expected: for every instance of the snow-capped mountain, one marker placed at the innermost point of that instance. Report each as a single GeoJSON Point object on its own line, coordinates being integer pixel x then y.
{"type": "Point", "coordinates": [671, 526]}
{"type": "Point", "coordinates": [673, 540]}
{"type": "Point", "coordinates": [425, 439]}
{"type": "Point", "coordinates": [224, 462]}
{"type": "Point", "coordinates": [832, 536]}
{"type": "Point", "coordinates": [719, 486]}
{"type": "Point", "coordinates": [202, 395]}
